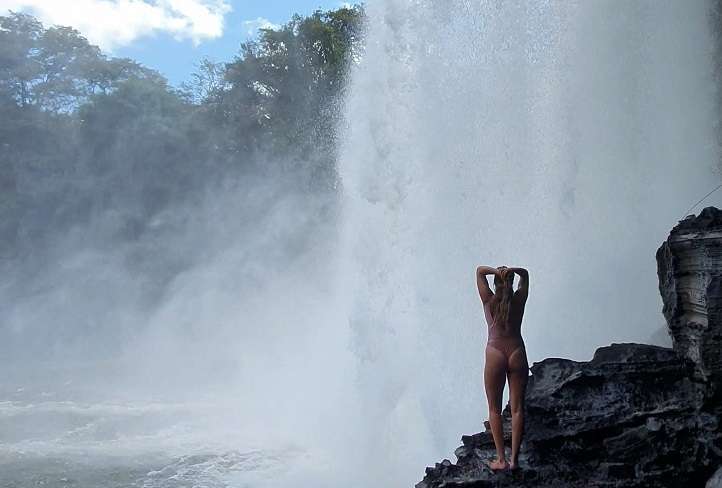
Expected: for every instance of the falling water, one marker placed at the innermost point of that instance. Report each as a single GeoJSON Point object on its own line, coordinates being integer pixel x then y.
{"type": "Point", "coordinates": [564, 137]}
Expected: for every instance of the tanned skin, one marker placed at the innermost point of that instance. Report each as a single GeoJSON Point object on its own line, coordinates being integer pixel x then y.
{"type": "Point", "coordinates": [500, 368]}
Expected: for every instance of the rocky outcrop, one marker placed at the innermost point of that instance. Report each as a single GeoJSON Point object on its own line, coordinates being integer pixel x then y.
{"type": "Point", "coordinates": [636, 415]}
{"type": "Point", "coordinates": [689, 266]}
{"type": "Point", "coordinates": [716, 480]}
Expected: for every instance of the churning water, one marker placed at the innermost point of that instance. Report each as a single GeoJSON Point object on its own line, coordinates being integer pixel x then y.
{"type": "Point", "coordinates": [565, 137]}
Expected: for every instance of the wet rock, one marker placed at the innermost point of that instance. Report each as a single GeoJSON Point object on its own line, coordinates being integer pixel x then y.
{"type": "Point", "coordinates": [635, 415]}
{"type": "Point", "coordinates": [689, 266]}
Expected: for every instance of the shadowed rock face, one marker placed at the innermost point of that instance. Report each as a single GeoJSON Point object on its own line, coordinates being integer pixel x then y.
{"type": "Point", "coordinates": [636, 415]}
{"type": "Point", "coordinates": [689, 266]}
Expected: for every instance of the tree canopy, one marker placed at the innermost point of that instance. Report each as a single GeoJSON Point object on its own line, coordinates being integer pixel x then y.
{"type": "Point", "coordinates": [82, 132]}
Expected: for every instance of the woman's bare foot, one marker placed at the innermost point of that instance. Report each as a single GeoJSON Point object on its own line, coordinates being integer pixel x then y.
{"type": "Point", "coordinates": [498, 464]}
{"type": "Point", "coordinates": [513, 465]}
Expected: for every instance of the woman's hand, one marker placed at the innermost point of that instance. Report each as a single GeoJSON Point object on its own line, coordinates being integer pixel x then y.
{"type": "Point", "coordinates": [519, 271]}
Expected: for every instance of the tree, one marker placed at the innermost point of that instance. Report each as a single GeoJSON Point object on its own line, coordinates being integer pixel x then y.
{"type": "Point", "coordinates": [56, 69]}
{"type": "Point", "coordinates": [207, 83]}
{"type": "Point", "coordinates": [82, 133]}
{"type": "Point", "coordinates": [283, 87]}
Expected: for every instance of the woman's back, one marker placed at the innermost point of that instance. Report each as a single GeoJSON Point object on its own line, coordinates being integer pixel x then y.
{"type": "Point", "coordinates": [510, 327]}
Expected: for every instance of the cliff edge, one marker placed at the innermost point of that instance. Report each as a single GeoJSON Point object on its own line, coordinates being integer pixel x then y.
{"type": "Point", "coordinates": [636, 415]}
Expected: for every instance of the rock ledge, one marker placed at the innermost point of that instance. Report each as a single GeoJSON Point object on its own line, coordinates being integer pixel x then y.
{"type": "Point", "coordinates": [636, 415]}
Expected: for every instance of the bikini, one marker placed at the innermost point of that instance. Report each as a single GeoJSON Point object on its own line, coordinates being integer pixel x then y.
{"type": "Point", "coordinates": [506, 342]}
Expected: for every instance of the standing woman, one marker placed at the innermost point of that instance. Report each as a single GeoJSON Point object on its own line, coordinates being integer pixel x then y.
{"type": "Point", "coordinates": [505, 354]}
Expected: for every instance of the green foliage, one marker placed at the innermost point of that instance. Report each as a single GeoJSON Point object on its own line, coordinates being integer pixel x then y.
{"type": "Point", "coordinates": [132, 142]}
{"type": "Point", "coordinates": [287, 79]}
{"type": "Point", "coordinates": [56, 68]}
{"type": "Point", "coordinates": [82, 133]}
{"type": "Point", "coordinates": [206, 84]}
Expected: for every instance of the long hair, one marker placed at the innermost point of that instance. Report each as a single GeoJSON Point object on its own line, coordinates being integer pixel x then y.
{"type": "Point", "coordinates": [501, 303]}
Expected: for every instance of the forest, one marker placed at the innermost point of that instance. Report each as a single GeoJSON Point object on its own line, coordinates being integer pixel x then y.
{"type": "Point", "coordinates": [83, 133]}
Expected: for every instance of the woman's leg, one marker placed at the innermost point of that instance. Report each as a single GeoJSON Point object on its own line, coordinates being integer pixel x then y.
{"type": "Point", "coordinates": [518, 376]}
{"type": "Point", "coordinates": [494, 380]}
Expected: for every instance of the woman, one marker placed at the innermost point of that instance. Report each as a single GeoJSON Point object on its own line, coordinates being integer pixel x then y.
{"type": "Point", "coordinates": [505, 354]}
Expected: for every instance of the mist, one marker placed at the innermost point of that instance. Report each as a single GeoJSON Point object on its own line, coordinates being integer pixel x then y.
{"type": "Point", "coordinates": [242, 285]}
{"type": "Point", "coordinates": [567, 138]}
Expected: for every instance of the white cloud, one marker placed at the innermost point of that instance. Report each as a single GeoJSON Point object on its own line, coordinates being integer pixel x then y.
{"type": "Point", "coordinates": [259, 23]}
{"type": "Point", "coordinates": [113, 23]}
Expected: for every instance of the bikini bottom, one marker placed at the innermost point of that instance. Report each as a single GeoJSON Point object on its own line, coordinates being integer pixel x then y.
{"type": "Point", "coordinates": [507, 345]}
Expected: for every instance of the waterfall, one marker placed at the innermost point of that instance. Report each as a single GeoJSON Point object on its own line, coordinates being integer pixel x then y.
{"type": "Point", "coordinates": [300, 344]}
{"type": "Point", "coordinates": [564, 137]}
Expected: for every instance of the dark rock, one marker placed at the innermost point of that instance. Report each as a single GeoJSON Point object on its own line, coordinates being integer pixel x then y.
{"type": "Point", "coordinates": [636, 415]}
{"type": "Point", "coordinates": [716, 480]}
{"type": "Point", "coordinates": [689, 266]}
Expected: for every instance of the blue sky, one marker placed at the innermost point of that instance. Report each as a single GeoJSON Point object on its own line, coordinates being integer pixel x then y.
{"type": "Point", "coordinates": [175, 59]}
{"type": "Point", "coordinates": [170, 36]}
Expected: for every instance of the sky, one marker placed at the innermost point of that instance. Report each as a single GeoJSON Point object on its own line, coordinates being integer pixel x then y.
{"type": "Point", "coordinates": [171, 36]}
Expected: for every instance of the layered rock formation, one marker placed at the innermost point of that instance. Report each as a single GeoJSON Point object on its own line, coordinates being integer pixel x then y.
{"type": "Point", "coordinates": [689, 266]}
{"type": "Point", "coordinates": [636, 415]}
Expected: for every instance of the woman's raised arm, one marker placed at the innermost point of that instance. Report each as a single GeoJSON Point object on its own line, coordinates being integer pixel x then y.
{"type": "Point", "coordinates": [482, 285]}
{"type": "Point", "coordinates": [523, 288]}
